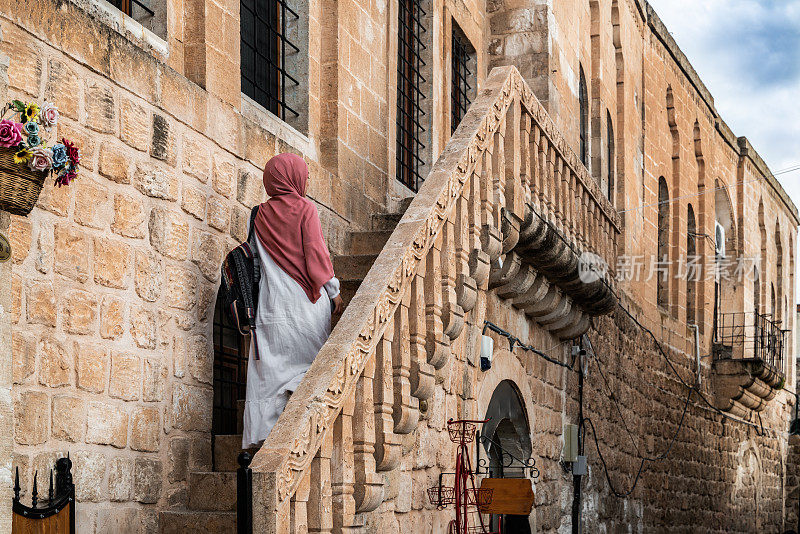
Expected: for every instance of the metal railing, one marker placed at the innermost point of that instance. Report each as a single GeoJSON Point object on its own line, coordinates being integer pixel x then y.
{"type": "Point", "coordinates": [750, 335]}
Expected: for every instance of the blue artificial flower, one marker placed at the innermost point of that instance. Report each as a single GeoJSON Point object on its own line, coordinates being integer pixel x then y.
{"type": "Point", "coordinates": [31, 128]}
{"type": "Point", "coordinates": [33, 140]}
{"type": "Point", "coordinates": [59, 155]}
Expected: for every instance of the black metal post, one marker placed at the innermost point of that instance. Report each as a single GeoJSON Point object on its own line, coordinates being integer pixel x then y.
{"type": "Point", "coordinates": [576, 479]}
{"type": "Point", "coordinates": [244, 495]}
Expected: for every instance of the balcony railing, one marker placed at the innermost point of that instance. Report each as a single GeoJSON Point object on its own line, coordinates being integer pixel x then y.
{"type": "Point", "coordinates": [750, 336]}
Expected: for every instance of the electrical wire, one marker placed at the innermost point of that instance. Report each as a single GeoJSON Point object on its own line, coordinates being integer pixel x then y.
{"type": "Point", "coordinates": [706, 191]}
{"type": "Point", "coordinates": [516, 342]}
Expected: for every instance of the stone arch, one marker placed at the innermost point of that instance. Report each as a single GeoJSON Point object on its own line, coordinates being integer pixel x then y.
{"type": "Point", "coordinates": [674, 186]}
{"type": "Point", "coordinates": [725, 287]}
{"type": "Point", "coordinates": [508, 429]}
{"type": "Point", "coordinates": [762, 250]}
{"type": "Point", "coordinates": [748, 484]}
{"type": "Point", "coordinates": [505, 365]}
{"type": "Point", "coordinates": [778, 313]}
{"type": "Point", "coordinates": [701, 245]}
{"type": "Point", "coordinates": [723, 214]}
{"type": "Point", "coordinates": [619, 144]}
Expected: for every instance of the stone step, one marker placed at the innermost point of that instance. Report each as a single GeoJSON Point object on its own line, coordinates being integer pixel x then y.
{"type": "Point", "coordinates": [382, 222]}
{"type": "Point", "coordinates": [174, 522]}
{"type": "Point", "coordinates": [353, 268]}
{"type": "Point", "coordinates": [212, 491]}
{"type": "Point", "coordinates": [368, 242]}
{"type": "Point", "coordinates": [226, 452]}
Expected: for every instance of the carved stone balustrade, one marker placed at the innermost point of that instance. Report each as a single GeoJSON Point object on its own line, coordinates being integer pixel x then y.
{"type": "Point", "coordinates": [506, 208]}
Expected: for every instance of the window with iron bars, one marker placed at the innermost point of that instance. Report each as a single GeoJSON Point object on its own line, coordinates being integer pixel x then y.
{"type": "Point", "coordinates": [461, 90]}
{"type": "Point", "coordinates": [409, 93]}
{"type": "Point", "coordinates": [134, 8]}
{"type": "Point", "coordinates": [264, 47]}
{"type": "Point", "coordinates": [230, 373]}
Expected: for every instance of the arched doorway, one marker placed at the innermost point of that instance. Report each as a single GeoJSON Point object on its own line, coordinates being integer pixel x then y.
{"type": "Point", "coordinates": [506, 440]}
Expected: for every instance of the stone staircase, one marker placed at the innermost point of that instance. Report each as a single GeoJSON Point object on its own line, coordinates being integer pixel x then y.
{"type": "Point", "coordinates": [364, 249]}
{"type": "Point", "coordinates": [507, 208]}
{"type": "Point", "coordinates": [212, 494]}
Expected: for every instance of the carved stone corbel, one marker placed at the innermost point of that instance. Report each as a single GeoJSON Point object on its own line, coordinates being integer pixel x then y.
{"type": "Point", "coordinates": [510, 226]}
{"type": "Point", "coordinates": [491, 241]}
{"type": "Point", "coordinates": [520, 284]}
{"type": "Point", "coordinates": [467, 292]}
{"type": "Point", "coordinates": [504, 269]}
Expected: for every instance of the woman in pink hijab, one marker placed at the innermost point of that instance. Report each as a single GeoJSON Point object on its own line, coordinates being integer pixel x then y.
{"type": "Point", "coordinates": [297, 287]}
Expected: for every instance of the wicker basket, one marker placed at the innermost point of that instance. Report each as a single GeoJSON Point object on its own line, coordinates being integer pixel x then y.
{"type": "Point", "coordinates": [19, 185]}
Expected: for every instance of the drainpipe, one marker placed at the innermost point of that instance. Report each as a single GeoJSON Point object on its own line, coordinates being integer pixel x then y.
{"type": "Point", "coordinates": [697, 350]}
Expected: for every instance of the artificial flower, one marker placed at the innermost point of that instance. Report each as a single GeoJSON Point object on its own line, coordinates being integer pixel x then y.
{"type": "Point", "coordinates": [31, 112]}
{"type": "Point", "coordinates": [10, 133]}
{"type": "Point", "coordinates": [41, 159]}
{"type": "Point", "coordinates": [34, 140]}
{"type": "Point", "coordinates": [31, 128]}
{"type": "Point", "coordinates": [22, 155]}
{"type": "Point", "coordinates": [72, 153]}
{"type": "Point", "coordinates": [66, 177]}
{"type": "Point", "coordinates": [59, 156]}
{"type": "Point", "coordinates": [48, 116]}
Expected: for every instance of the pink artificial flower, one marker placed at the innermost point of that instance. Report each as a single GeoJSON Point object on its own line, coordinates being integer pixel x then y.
{"type": "Point", "coordinates": [41, 159]}
{"type": "Point", "coordinates": [10, 133]}
{"type": "Point", "coordinates": [48, 115]}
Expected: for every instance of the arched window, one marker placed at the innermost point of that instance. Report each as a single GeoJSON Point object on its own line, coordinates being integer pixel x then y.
{"type": "Point", "coordinates": [611, 163]}
{"type": "Point", "coordinates": [691, 273]}
{"type": "Point", "coordinates": [662, 288]}
{"type": "Point", "coordinates": [583, 103]}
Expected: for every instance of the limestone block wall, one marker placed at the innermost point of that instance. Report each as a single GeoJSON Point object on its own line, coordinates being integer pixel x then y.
{"type": "Point", "coordinates": [113, 279]}
{"type": "Point", "coordinates": [720, 474]}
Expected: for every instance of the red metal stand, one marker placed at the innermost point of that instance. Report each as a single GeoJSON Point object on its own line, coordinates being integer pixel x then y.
{"type": "Point", "coordinates": [467, 498]}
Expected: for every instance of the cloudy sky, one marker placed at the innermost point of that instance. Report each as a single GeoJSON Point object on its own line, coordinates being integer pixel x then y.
{"type": "Point", "coordinates": [748, 54]}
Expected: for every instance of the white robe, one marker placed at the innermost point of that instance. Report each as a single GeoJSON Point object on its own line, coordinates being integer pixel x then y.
{"type": "Point", "coordinates": [289, 332]}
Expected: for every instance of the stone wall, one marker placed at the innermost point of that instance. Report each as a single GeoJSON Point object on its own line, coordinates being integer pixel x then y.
{"type": "Point", "coordinates": [114, 278]}
{"type": "Point", "coordinates": [723, 475]}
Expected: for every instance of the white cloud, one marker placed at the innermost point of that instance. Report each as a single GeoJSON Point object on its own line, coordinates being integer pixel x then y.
{"type": "Point", "coordinates": [747, 52]}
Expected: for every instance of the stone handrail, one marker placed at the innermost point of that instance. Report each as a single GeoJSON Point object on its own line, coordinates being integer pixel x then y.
{"type": "Point", "coordinates": [320, 465]}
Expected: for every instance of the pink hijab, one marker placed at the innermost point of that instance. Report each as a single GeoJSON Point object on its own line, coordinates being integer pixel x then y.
{"type": "Point", "coordinates": [289, 228]}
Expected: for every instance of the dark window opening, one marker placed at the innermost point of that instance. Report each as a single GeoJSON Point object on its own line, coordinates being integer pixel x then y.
{"type": "Point", "coordinates": [230, 373]}
{"type": "Point", "coordinates": [691, 274]}
{"type": "Point", "coordinates": [462, 77]}
{"type": "Point", "coordinates": [611, 162]}
{"type": "Point", "coordinates": [583, 104]}
{"type": "Point", "coordinates": [128, 6]}
{"type": "Point", "coordinates": [409, 93]}
{"type": "Point", "coordinates": [662, 294]}
{"type": "Point", "coordinates": [264, 47]}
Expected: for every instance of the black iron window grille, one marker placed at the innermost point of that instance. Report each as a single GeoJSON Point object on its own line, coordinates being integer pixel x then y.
{"type": "Point", "coordinates": [264, 45]}
{"type": "Point", "coordinates": [750, 336]}
{"type": "Point", "coordinates": [230, 373]}
{"type": "Point", "coordinates": [126, 6]}
{"type": "Point", "coordinates": [462, 76]}
{"type": "Point", "coordinates": [409, 93]}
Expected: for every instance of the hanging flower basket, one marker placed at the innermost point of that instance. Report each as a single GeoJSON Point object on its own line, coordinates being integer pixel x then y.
{"type": "Point", "coordinates": [25, 158]}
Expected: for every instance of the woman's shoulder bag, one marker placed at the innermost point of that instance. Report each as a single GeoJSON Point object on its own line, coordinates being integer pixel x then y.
{"type": "Point", "coordinates": [241, 273]}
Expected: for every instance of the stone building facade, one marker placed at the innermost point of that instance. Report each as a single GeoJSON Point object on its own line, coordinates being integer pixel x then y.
{"type": "Point", "coordinates": [604, 131]}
